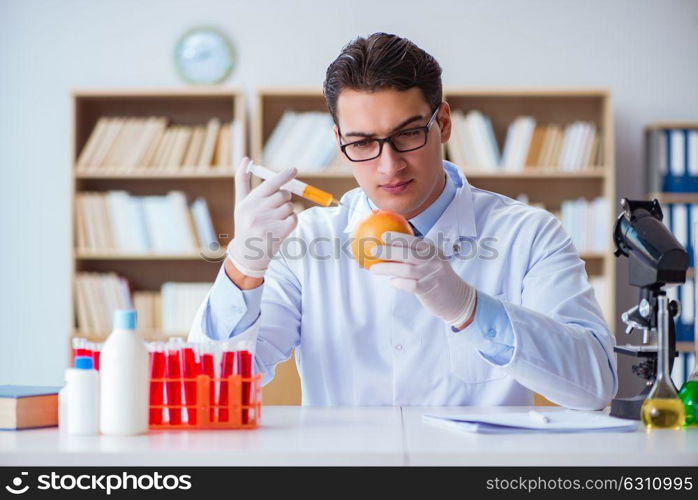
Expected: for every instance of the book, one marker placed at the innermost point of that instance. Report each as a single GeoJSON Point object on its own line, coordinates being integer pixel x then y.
{"type": "Point", "coordinates": [88, 151]}
{"type": "Point", "coordinates": [194, 150]}
{"type": "Point", "coordinates": [534, 149]}
{"type": "Point", "coordinates": [113, 128]}
{"type": "Point", "coordinates": [179, 147]}
{"type": "Point", "coordinates": [202, 222]}
{"type": "Point", "coordinates": [97, 296]}
{"type": "Point", "coordinates": [180, 301]}
{"type": "Point", "coordinates": [28, 407]}
{"type": "Point", "coordinates": [157, 132]}
{"type": "Point", "coordinates": [209, 144]}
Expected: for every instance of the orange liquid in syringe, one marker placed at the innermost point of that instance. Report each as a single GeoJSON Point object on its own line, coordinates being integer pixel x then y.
{"type": "Point", "coordinates": [319, 196]}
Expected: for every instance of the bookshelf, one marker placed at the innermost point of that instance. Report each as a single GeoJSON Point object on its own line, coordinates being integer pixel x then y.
{"type": "Point", "coordinates": [653, 132]}
{"type": "Point", "coordinates": [551, 186]}
{"type": "Point", "coordinates": [548, 186]}
{"type": "Point", "coordinates": [190, 107]}
{"type": "Point", "coordinates": [270, 105]}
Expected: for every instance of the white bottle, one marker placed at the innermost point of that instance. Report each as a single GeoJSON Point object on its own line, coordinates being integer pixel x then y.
{"type": "Point", "coordinates": [81, 398]}
{"type": "Point", "coordinates": [124, 379]}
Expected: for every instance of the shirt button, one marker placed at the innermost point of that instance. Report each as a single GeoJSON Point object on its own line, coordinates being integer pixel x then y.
{"type": "Point", "coordinates": [491, 333]}
{"type": "Point", "coordinates": [398, 347]}
{"type": "Point", "coordinates": [456, 247]}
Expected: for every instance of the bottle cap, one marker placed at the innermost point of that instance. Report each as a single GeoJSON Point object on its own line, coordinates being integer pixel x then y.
{"type": "Point", "coordinates": [125, 319]}
{"type": "Point", "coordinates": [83, 363]}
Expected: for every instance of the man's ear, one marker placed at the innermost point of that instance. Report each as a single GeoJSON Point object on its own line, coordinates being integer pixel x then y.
{"type": "Point", "coordinates": [335, 129]}
{"type": "Point", "coordinates": [445, 124]}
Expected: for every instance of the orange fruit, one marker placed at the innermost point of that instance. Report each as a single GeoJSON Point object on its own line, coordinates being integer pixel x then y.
{"type": "Point", "coordinates": [369, 232]}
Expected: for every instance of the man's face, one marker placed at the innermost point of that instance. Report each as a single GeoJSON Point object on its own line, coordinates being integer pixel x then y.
{"type": "Point", "coordinates": [405, 183]}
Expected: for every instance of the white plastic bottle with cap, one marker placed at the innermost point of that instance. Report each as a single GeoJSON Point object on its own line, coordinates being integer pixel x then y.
{"type": "Point", "coordinates": [82, 398]}
{"type": "Point", "coordinates": [124, 380]}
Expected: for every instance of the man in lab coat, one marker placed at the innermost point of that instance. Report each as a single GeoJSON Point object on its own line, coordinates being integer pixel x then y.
{"type": "Point", "coordinates": [486, 305]}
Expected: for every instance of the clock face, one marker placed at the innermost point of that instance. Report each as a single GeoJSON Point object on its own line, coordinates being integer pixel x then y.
{"type": "Point", "coordinates": [204, 55]}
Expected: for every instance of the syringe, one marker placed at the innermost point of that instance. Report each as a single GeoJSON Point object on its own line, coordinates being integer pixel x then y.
{"type": "Point", "coordinates": [296, 187]}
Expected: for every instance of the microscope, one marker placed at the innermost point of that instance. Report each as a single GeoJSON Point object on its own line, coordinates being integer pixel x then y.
{"type": "Point", "coordinates": [656, 259]}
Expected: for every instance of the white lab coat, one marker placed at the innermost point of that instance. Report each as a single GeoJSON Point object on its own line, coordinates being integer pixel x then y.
{"type": "Point", "coordinates": [359, 341]}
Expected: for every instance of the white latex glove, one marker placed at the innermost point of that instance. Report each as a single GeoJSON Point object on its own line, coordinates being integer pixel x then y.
{"type": "Point", "coordinates": [263, 217]}
{"type": "Point", "coordinates": [422, 269]}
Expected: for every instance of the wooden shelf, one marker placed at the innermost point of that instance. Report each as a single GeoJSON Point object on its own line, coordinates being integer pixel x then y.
{"type": "Point", "coordinates": [662, 125]}
{"type": "Point", "coordinates": [188, 106]}
{"type": "Point", "coordinates": [653, 131]}
{"type": "Point", "coordinates": [82, 255]}
{"type": "Point", "coordinates": [593, 255]}
{"type": "Point", "coordinates": [675, 197]}
{"type": "Point", "coordinates": [502, 105]}
{"type": "Point", "coordinates": [686, 346]}
{"type": "Point", "coordinates": [596, 173]}
{"type": "Point", "coordinates": [116, 173]}
{"type": "Point", "coordinates": [149, 334]}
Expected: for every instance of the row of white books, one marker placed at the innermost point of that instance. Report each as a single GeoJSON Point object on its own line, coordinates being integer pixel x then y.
{"type": "Point", "coordinates": [131, 143]}
{"type": "Point", "coordinates": [116, 221]}
{"type": "Point", "coordinates": [587, 222]}
{"type": "Point", "coordinates": [169, 311]}
{"type": "Point", "coordinates": [473, 145]}
{"type": "Point", "coordinates": [303, 140]}
{"type": "Point", "coordinates": [97, 296]}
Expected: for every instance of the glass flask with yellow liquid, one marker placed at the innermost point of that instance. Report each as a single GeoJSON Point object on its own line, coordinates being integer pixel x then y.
{"type": "Point", "coordinates": [662, 409]}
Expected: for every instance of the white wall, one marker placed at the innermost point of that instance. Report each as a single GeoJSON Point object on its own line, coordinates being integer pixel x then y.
{"type": "Point", "coordinates": [644, 51]}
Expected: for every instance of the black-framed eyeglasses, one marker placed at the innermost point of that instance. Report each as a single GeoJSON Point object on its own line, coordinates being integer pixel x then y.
{"type": "Point", "coordinates": [402, 141]}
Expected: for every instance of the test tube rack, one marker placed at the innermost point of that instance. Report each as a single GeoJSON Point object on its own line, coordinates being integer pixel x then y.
{"type": "Point", "coordinates": [241, 409]}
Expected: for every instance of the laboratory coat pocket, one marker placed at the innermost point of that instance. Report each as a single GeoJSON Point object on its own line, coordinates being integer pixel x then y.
{"type": "Point", "coordinates": [466, 363]}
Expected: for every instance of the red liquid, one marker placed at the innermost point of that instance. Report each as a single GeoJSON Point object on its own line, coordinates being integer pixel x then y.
{"type": "Point", "coordinates": [207, 369]}
{"type": "Point", "coordinates": [157, 371]}
{"type": "Point", "coordinates": [191, 370]}
{"type": "Point", "coordinates": [245, 368]}
{"type": "Point", "coordinates": [227, 369]}
{"type": "Point", "coordinates": [95, 359]}
{"type": "Point", "coordinates": [174, 387]}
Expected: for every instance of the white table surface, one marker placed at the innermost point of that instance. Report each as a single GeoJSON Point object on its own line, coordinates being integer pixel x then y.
{"type": "Point", "coordinates": [349, 436]}
{"type": "Point", "coordinates": [430, 445]}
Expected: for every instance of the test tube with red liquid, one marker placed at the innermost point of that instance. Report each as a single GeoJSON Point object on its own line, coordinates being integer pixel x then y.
{"type": "Point", "coordinates": [191, 370]}
{"type": "Point", "coordinates": [207, 368]}
{"type": "Point", "coordinates": [227, 369]}
{"type": "Point", "coordinates": [173, 371]}
{"type": "Point", "coordinates": [157, 374]}
{"type": "Point", "coordinates": [244, 365]}
{"type": "Point", "coordinates": [96, 352]}
{"type": "Point", "coordinates": [80, 348]}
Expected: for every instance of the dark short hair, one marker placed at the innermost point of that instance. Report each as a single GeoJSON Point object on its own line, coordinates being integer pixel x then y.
{"type": "Point", "coordinates": [383, 61]}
